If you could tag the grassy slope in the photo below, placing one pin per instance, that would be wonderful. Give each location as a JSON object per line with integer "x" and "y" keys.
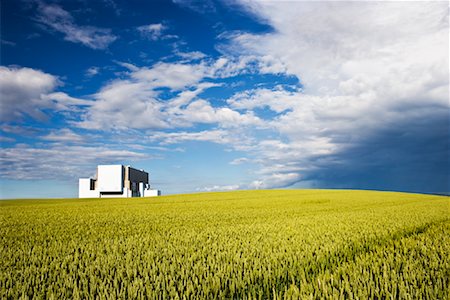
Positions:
{"x": 286, "y": 243}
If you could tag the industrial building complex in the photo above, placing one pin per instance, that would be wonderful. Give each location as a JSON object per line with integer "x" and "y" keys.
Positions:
{"x": 116, "y": 181}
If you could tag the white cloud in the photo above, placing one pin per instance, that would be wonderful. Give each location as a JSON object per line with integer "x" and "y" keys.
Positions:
{"x": 113, "y": 109}
{"x": 92, "y": 71}
{"x": 59, "y": 161}
{"x": 365, "y": 67}
{"x": 63, "y": 135}
{"x": 26, "y": 91}
{"x": 218, "y": 136}
{"x": 20, "y": 130}
{"x": 186, "y": 96}
{"x": 231, "y": 65}
{"x": 239, "y": 161}
{"x": 61, "y": 101}
{"x": 155, "y": 32}
{"x": 217, "y": 188}
{"x": 316, "y": 43}
{"x": 278, "y": 99}
{"x": 276, "y": 180}
{"x": 190, "y": 56}
{"x": 201, "y": 111}
{"x": 5, "y": 139}
{"x": 21, "y": 91}
{"x": 134, "y": 102}
{"x": 175, "y": 76}
{"x": 58, "y": 19}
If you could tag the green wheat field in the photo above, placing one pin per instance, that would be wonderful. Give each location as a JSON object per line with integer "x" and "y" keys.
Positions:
{"x": 278, "y": 244}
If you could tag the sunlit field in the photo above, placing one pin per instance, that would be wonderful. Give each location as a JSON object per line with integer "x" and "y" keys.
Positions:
{"x": 250, "y": 244}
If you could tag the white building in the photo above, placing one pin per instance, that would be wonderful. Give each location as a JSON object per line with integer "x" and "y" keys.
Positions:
{"x": 116, "y": 181}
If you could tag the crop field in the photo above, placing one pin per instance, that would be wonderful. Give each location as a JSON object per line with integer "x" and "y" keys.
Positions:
{"x": 306, "y": 244}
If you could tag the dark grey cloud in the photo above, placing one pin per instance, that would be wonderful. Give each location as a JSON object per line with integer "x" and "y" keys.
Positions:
{"x": 411, "y": 155}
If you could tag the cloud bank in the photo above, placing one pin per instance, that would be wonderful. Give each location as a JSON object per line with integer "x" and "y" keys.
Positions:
{"x": 374, "y": 101}
{"x": 368, "y": 107}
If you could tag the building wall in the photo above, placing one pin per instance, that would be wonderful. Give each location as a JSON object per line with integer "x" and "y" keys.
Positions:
{"x": 125, "y": 194}
{"x": 135, "y": 180}
{"x": 152, "y": 193}
{"x": 110, "y": 178}
{"x": 84, "y": 188}
{"x": 126, "y": 177}
{"x": 135, "y": 175}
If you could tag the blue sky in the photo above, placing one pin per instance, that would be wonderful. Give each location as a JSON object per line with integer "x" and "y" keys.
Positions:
{"x": 225, "y": 95}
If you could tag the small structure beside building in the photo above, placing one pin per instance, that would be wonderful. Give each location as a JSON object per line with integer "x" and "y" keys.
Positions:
{"x": 116, "y": 181}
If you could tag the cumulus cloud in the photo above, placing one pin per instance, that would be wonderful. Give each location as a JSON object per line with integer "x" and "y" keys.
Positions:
{"x": 27, "y": 92}
{"x": 244, "y": 63}
{"x": 368, "y": 45}
{"x": 175, "y": 76}
{"x": 365, "y": 69}
{"x": 113, "y": 109}
{"x": 55, "y": 17}
{"x": 201, "y": 111}
{"x": 21, "y": 91}
{"x": 277, "y": 99}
